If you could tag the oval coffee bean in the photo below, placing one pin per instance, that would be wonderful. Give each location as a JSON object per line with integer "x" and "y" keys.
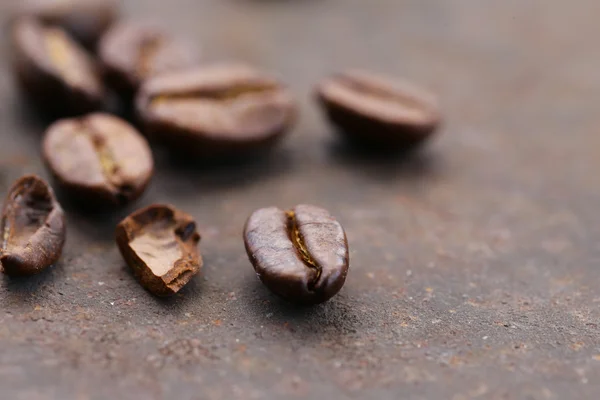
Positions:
{"x": 85, "y": 20}
{"x": 134, "y": 51}
{"x": 159, "y": 243}
{"x": 301, "y": 254}
{"x": 33, "y": 227}
{"x": 54, "y": 70}
{"x": 98, "y": 159}
{"x": 378, "y": 111}
{"x": 216, "y": 110}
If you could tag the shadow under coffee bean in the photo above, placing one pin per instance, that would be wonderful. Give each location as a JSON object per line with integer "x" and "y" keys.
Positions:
{"x": 378, "y": 112}
{"x": 215, "y": 111}
{"x": 54, "y": 71}
{"x": 300, "y": 254}
{"x": 160, "y": 244}
{"x": 98, "y": 160}
{"x": 33, "y": 227}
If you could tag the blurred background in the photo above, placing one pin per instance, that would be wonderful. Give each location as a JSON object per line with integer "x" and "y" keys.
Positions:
{"x": 473, "y": 260}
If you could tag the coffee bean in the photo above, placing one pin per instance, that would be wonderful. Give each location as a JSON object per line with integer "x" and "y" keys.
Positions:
{"x": 98, "y": 159}
{"x": 134, "y": 51}
{"x": 215, "y": 111}
{"x": 54, "y": 70}
{"x": 159, "y": 243}
{"x": 301, "y": 254}
{"x": 378, "y": 111}
{"x": 33, "y": 227}
{"x": 85, "y": 20}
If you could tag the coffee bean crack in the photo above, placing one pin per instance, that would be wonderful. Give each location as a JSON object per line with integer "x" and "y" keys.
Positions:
{"x": 300, "y": 247}
{"x": 108, "y": 164}
{"x": 379, "y": 93}
{"x": 221, "y": 94}
{"x": 60, "y": 52}
{"x": 147, "y": 51}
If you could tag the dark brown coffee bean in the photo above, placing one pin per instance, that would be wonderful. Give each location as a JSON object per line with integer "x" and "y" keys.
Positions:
{"x": 54, "y": 70}
{"x": 85, "y": 20}
{"x": 160, "y": 244}
{"x": 134, "y": 51}
{"x": 378, "y": 111}
{"x": 216, "y": 110}
{"x": 33, "y": 227}
{"x": 301, "y": 254}
{"x": 98, "y": 159}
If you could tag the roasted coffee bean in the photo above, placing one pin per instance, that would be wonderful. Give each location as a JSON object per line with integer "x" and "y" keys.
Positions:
{"x": 160, "y": 244}
{"x": 85, "y": 20}
{"x": 98, "y": 159}
{"x": 33, "y": 227}
{"x": 301, "y": 254}
{"x": 215, "y": 111}
{"x": 54, "y": 70}
{"x": 378, "y": 111}
{"x": 134, "y": 51}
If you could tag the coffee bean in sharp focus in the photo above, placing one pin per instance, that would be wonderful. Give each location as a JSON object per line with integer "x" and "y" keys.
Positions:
{"x": 301, "y": 254}
{"x": 85, "y": 20}
{"x": 378, "y": 111}
{"x": 33, "y": 227}
{"x": 133, "y": 51}
{"x": 219, "y": 110}
{"x": 54, "y": 71}
{"x": 99, "y": 160}
{"x": 159, "y": 243}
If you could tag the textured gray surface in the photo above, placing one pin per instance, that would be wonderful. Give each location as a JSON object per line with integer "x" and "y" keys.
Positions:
{"x": 474, "y": 264}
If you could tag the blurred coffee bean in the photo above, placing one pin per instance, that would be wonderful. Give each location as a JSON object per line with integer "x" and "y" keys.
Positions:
{"x": 54, "y": 71}
{"x": 214, "y": 111}
{"x": 134, "y": 51}
{"x": 85, "y": 20}
{"x": 377, "y": 111}
{"x": 99, "y": 160}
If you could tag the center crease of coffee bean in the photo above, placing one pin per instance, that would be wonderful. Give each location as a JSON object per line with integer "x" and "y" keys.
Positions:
{"x": 147, "y": 51}
{"x": 107, "y": 161}
{"x": 6, "y": 232}
{"x": 228, "y": 94}
{"x": 382, "y": 94}
{"x": 300, "y": 247}
{"x": 61, "y": 55}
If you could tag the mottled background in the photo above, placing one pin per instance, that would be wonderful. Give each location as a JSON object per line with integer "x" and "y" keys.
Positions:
{"x": 474, "y": 264}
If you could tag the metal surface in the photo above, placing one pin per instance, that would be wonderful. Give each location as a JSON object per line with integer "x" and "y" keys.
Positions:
{"x": 474, "y": 264}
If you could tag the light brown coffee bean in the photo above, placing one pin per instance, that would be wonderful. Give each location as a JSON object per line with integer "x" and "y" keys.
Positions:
{"x": 215, "y": 111}
{"x": 98, "y": 159}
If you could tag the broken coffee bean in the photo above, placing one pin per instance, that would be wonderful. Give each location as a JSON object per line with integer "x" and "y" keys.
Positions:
{"x": 33, "y": 227}
{"x": 377, "y": 111}
{"x": 159, "y": 243}
{"x": 213, "y": 111}
{"x": 54, "y": 71}
{"x": 300, "y": 254}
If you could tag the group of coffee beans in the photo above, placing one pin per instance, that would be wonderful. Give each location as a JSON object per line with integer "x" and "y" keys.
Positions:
{"x": 70, "y": 55}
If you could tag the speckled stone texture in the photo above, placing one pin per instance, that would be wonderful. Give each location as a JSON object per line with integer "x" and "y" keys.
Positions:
{"x": 474, "y": 264}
